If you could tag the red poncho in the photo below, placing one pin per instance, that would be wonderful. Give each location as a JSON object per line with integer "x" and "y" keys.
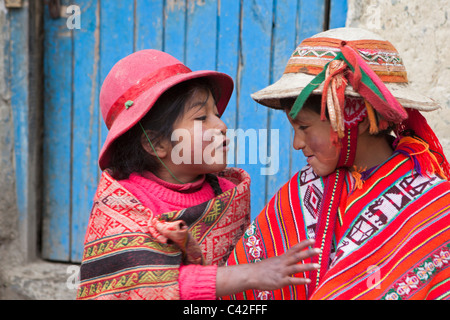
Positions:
{"x": 388, "y": 239}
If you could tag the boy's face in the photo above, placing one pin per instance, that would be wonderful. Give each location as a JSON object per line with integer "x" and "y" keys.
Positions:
{"x": 312, "y": 136}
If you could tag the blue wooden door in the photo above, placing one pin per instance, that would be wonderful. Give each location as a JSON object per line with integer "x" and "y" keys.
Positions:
{"x": 249, "y": 40}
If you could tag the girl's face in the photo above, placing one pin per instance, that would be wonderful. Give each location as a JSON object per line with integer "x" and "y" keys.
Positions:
{"x": 312, "y": 136}
{"x": 199, "y": 138}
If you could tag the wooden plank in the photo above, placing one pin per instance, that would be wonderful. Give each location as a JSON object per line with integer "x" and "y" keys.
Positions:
{"x": 85, "y": 135}
{"x": 228, "y": 60}
{"x": 57, "y": 138}
{"x": 255, "y": 53}
{"x": 201, "y": 35}
{"x": 19, "y": 87}
{"x": 149, "y": 24}
{"x": 310, "y": 20}
{"x": 175, "y": 28}
{"x": 20, "y": 134}
{"x": 283, "y": 45}
{"x": 338, "y": 13}
{"x": 117, "y": 39}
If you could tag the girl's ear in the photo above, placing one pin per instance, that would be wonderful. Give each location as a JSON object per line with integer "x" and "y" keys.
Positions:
{"x": 162, "y": 147}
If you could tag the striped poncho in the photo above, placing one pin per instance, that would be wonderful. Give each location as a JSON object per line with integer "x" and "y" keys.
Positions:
{"x": 390, "y": 238}
{"x": 124, "y": 259}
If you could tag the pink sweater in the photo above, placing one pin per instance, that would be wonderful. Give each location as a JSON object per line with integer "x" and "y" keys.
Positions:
{"x": 196, "y": 282}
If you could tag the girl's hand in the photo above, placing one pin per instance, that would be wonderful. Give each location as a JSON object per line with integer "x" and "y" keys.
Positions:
{"x": 270, "y": 274}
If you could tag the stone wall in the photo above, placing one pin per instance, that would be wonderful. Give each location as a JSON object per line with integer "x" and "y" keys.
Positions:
{"x": 9, "y": 245}
{"x": 419, "y": 30}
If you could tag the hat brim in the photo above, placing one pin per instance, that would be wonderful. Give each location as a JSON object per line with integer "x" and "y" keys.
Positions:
{"x": 290, "y": 85}
{"x": 142, "y": 105}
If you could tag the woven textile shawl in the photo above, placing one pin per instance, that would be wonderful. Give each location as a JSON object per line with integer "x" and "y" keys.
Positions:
{"x": 390, "y": 239}
{"x": 122, "y": 260}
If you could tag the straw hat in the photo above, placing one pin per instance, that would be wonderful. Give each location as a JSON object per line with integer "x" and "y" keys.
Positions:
{"x": 310, "y": 57}
{"x": 136, "y": 82}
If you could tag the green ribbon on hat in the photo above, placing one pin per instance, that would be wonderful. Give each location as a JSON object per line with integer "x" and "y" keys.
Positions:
{"x": 320, "y": 78}
{"x": 364, "y": 81}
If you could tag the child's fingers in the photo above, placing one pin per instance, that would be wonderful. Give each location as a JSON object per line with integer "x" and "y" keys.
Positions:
{"x": 297, "y": 252}
{"x": 304, "y": 244}
{"x": 299, "y": 281}
{"x": 308, "y": 254}
{"x": 299, "y": 247}
{"x": 299, "y": 268}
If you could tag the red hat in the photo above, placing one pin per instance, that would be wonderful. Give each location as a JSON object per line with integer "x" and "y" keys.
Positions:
{"x": 136, "y": 82}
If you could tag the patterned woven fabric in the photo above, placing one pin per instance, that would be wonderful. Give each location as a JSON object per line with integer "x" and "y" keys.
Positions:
{"x": 122, "y": 260}
{"x": 390, "y": 239}
{"x": 314, "y": 53}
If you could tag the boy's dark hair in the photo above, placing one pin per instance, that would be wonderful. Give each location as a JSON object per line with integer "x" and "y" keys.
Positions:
{"x": 313, "y": 103}
{"x": 128, "y": 155}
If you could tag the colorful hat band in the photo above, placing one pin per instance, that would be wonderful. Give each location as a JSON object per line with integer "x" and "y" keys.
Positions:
{"x": 339, "y": 66}
{"x": 348, "y": 67}
{"x": 313, "y": 54}
{"x": 122, "y": 103}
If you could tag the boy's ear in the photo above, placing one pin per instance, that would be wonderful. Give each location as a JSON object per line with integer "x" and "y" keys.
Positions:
{"x": 160, "y": 146}
{"x": 364, "y": 125}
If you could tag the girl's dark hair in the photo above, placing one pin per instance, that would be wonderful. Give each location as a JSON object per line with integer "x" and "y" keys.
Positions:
{"x": 128, "y": 155}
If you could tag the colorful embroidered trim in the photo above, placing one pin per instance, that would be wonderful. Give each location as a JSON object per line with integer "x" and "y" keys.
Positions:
{"x": 415, "y": 279}
{"x": 313, "y": 54}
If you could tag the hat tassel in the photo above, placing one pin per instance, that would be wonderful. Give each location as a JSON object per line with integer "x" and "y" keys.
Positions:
{"x": 418, "y": 126}
{"x": 333, "y": 96}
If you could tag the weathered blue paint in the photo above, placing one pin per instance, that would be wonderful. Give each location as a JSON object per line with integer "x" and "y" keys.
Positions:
{"x": 310, "y": 20}
{"x": 57, "y": 157}
{"x": 117, "y": 37}
{"x": 249, "y": 40}
{"x": 18, "y": 86}
{"x": 175, "y": 29}
{"x": 228, "y": 53}
{"x": 256, "y": 36}
{"x": 283, "y": 44}
{"x": 200, "y": 40}
{"x": 149, "y": 24}
{"x": 85, "y": 114}
{"x": 338, "y": 13}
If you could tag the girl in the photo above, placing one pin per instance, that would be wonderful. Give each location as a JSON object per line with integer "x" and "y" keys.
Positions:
{"x": 167, "y": 212}
{"x": 375, "y": 194}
